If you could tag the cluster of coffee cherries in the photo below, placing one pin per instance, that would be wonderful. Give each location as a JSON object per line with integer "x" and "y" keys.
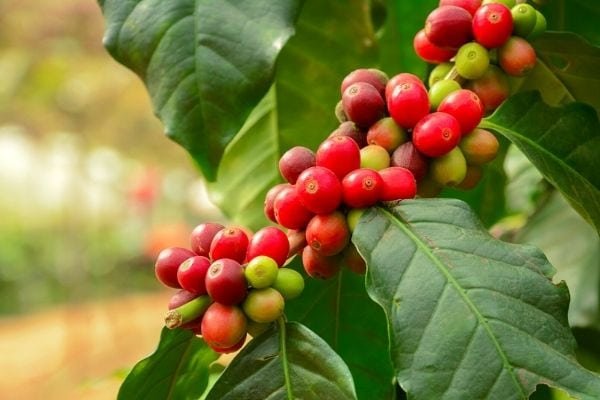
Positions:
{"x": 231, "y": 283}
{"x": 478, "y": 44}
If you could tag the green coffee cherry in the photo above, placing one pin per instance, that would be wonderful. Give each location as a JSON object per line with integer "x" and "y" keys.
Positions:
{"x": 353, "y": 217}
{"x": 539, "y": 27}
{"x": 449, "y": 169}
{"x": 524, "y": 18}
{"x": 374, "y": 157}
{"x": 472, "y": 60}
{"x": 256, "y": 328}
{"x": 264, "y": 305}
{"x": 440, "y": 90}
{"x": 439, "y": 72}
{"x": 261, "y": 272}
{"x": 289, "y": 283}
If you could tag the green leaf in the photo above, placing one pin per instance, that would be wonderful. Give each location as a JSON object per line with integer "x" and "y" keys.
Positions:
{"x": 562, "y": 143}
{"x": 178, "y": 369}
{"x": 470, "y": 316}
{"x": 206, "y": 64}
{"x": 579, "y": 16}
{"x": 290, "y": 362}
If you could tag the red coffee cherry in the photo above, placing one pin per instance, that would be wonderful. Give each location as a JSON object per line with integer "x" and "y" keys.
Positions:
{"x": 374, "y": 77}
{"x": 517, "y": 57}
{"x": 350, "y": 129}
{"x": 232, "y": 349}
{"x": 399, "y": 79}
{"x": 202, "y": 236}
{"x": 294, "y": 161}
{"x": 226, "y": 282}
{"x": 192, "y": 274}
{"x": 363, "y": 104}
{"x": 319, "y": 190}
{"x": 448, "y": 26}
{"x": 479, "y": 147}
{"x": 492, "y": 25}
{"x": 223, "y": 326}
{"x": 319, "y": 266}
{"x": 271, "y": 242}
{"x": 408, "y": 104}
{"x": 470, "y": 5}
{"x": 362, "y": 188}
{"x": 328, "y": 234}
{"x": 167, "y": 264}
{"x": 466, "y": 107}
{"x": 340, "y": 154}
{"x": 492, "y": 88}
{"x": 436, "y": 134}
{"x": 289, "y": 211}
{"x": 429, "y": 52}
{"x": 180, "y": 298}
{"x": 230, "y": 242}
{"x": 270, "y": 200}
{"x": 407, "y": 156}
{"x": 398, "y": 183}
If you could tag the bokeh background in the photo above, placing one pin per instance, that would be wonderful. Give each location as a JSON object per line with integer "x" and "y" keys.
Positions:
{"x": 90, "y": 191}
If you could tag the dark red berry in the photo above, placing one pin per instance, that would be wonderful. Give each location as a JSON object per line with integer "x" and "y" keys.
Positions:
{"x": 192, "y": 273}
{"x": 320, "y": 190}
{"x": 466, "y": 107}
{"x": 270, "y": 200}
{"x": 373, "y": 77}
{"x": 407, "y": 156}
{"x": 399, "y": 79}
{"x": 180, "y": 298}
{"x": 167, "y": 264}
{"x": 271, "y": 242}
{"x": 517, "y": 57}
{"x": 226, "y": 282}
{"x": 328, "y": 234}
{"x": 398, "y": 183}
{"x": 429, "y": 52}
{"x": 232, "y": 349}
{"x": 436, "y": 134}
{"x": 319, "y": 266}
{"x": 202, "y": 237}
{"x": 408, "y": 104}
{"x": 340, "y": 154}
{"x": 363, "y": 104}
{"x": 448, "y": 26}
{"x": 294, "y": 161}
{"x": 230, "y": 242}
{"x": 492, "y": 25}
{"x": 470, "y": 5}
{"x": 350, "y": 129}
{"x": 223, "y": 326}
{"x": 362, "y": 188}
{"x": 289, "y": 211}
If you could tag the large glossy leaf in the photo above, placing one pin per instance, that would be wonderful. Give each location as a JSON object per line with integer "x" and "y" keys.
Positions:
{"x": 579, "y": 16}
{"x": 177, "y": 370}
{"x": 206, "y": 63}
{"x": 290, "y": 362}
{"x": 470, "y": 317}
{"x": 562, "y": 143}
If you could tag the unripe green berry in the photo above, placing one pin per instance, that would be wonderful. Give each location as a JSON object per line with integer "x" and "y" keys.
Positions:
{"x": 439, "y": 72}
{"x": 256, "y": 328}
{"x": 540, "y": 26}
{"x": 261, "y": 272}
{"x": 289, "y": 283}
{"x": 524, "y": 17}
{"x": 264, "y": 305}
{"x": 374, "y": 157}
{"x": 353, "y": 217}
{"x": 449, "y": 169}
{"x": 440, "y": 90}
{"x": 472, "y": 60}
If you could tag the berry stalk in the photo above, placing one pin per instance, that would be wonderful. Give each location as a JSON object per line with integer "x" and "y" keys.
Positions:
{"x": 187, "y": 312}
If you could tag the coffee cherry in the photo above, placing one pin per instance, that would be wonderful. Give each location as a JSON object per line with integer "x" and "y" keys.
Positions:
{"x": 257, "y": 328}
{"x": 202, "y": 237}
{"x": 429, "y": 188}
{"x": 167, "y": 264}
{"x": 407, "y": 156}
{"x": 340, "y": 154}
{"x": 261, "y": 272}
{"x": 294, "y": 161}
{"x": 472, "y": 178}
{"x": 436, "y": 134}
{"x": 387, "y": 134}
{"x": 448, "y": 26}
{"x": 289, "y": 211}
{"x": 539, "y": 27}
{"x": 400, "y": 79}
{"x": 289, "y": 283}
{"x": 180, "y": 298}
{"x": 398, "y": 183}
{"x": 223, "y": 326}
{"x": 352, "y": 260}
{"x": 517, "y": 57}
{"x": 363, "y": 104}
{"x": 523, "y": 19}
{"x": 192, "y": 273}
{"x": 271, "y": 242}
{"x": 350, "y": 129}
{"x": 353, "y": 217}
{"x": 297, "y": 239}
{"x": 439, "y": 72}
{"x": 374, "y": 157}
{"x": 466, "y": 107}
{"x": 408, "y": 103}
{"x": 232, "y": 349}
{"x": 328, "y": 234}
{"x": 429, "y": 52}
{"x": 470, "y": 5}
{"x": 319, "y": 190}
{"x": 492, "y": 25}
{"x": 492, "y": 88}
{"x": 362, "y": 188}
{"x": 449, "y": 169}
{"x": 225, "y": 282}
{"x": 374, "y": 77}
{"x": 264, "y": 305}
{"x": 479, "y": 147}
{"x": 230, "y": 242}
{"x": 339, "y": 112}
{"x": 319, "y": 266}
{"x": 472, "y": 61}
{"x": 270, "y": 200}
{"x": 440, "y": 90}
{"x": 508, "y": 3}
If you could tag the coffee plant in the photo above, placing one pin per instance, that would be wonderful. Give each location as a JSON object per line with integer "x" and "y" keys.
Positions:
{"x": 366, "y": 155}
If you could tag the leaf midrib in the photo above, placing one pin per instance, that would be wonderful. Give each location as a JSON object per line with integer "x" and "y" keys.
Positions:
{"x": 441, "y": 267}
